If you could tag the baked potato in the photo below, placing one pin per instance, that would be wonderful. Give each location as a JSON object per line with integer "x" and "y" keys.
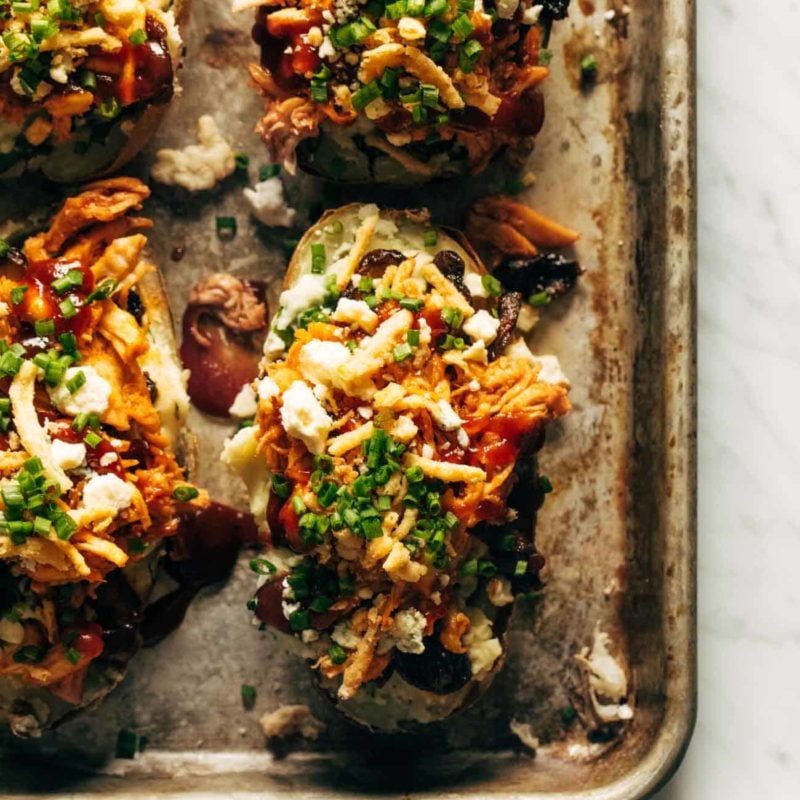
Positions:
{"x": 92, "y": 436}
{"x": 84, "y": 85}
{"x": 391, "y": 465}
{"x": 400, "y": 91}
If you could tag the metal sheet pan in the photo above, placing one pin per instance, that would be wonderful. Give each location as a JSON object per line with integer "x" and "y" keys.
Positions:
{"x": 619, "y": 534}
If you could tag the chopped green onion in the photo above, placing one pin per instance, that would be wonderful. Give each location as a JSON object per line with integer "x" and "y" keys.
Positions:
{"x": 435, "y": 8}
{"x": 589, "y": 67}
{"x": 138, "y": 37}
{"x": 299, "y": 620}
{"x": 102, "y": 291}
{"x": 520, "y": 568}
{"x": 92, "y": 439}
{"x": 268, "y": 171}
{"x": 334, "y": 228}
{"x": 18, "y": 294}
{"x": 327, "y": 494}
{"x": 184, "y": 493}
{"x": 281, "y": 486}
{"x": 76, "y": 381}
{"x": 402, "y": 351}
{"x": 67, "y": 308}
{"x": 540, "y": 299}
{"x": 87, "y": 79}
{"x": 365, "y": 95}
{"x": 389, "y": 81}
{"x": 136, "y": 546}
{"x": 72, "y": 655}
{"x": 462, "y": 27}
{"x": 466, "y": 5}
{"x": 28, "y": 654}
{"x": 72, "y": 280}
{"x": 12, "y": 495}
{"x": 226, "y": 227}
{"x": 439, "y": 31}
{"x": 396, "y": 10}
{"x": 109, "y": 108}
{"x": 492, "y": 285}
{"x": 337, "y": 654}
{"x": 469, "y": 568}
{"x": 431, "y": 237}
{"x": 126, "y": 744}
{"x": 319, "y": 91}
{"x": 452, "y": 317}
{"x": 545, "y": 57}
{"x": 298, "y": 505}
{"x": 44, "y": 327}
{"x": 545, "y": 487}
{"x": 80, "y": 422}
{"x": 321, "y": 604}
{"x": 262, "y": 567}
{"x": 414, "y": 474}
{"x": 430, "y": 94}
{"x": 248, "y": 696}
{"x": 412, "y": 304}
{"x": 412, "y": 337}
{"x": 468, "y": 55}
{"x": 365, "y": 284}
{"x": 242, "y": 160}
{"x": 318, "y": 261}
{"x": 64, "y": 526}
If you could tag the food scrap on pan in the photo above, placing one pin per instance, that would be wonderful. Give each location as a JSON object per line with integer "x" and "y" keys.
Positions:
{"x": 89, "y": 482}
{"x": 396, "y": 90}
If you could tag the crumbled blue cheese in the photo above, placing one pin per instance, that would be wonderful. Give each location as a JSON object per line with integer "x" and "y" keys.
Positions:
{"x": 244, "y": 404}
{"x": 319, "y": 362}
{"x": 240, "y": 454}
{"x": 68, "y": 455}
{"x": 474, "y": 283}
{"x": 550, "y": 371}
{"x": 308, "y": 291}
{"x": 445, "y": 416}
{"x": 108, "y": 492}
{"x": 268, "y": 204}
{"x": 355, "y": 312}
{"x": 483, "y": 648}
{"x": 304, "y": 418}
{"x": 267, "y": 388}
{"x": 482, "y": 325}
{"x": 91, "y": 398}
{"x": 199, "y": 166}
{"x": 507, "y": 8}
{"x": 408, "y": 631}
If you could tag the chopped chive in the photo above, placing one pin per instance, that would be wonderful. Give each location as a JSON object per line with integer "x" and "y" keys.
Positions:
{"x": 412, "y": 337}
{"x": 337, "y": 654}
{"x": 44, "y": 327}
{"x": 414, "y": 474}
{"x": 102, "y": 291}
{"x": 298, "y": 505}
{"x": 540, "y": 299}
{"x": 76, "y": 381}
{"x": 248, "y": 694}
{"x": 87, "y": 79}
{"x": 435, "y": 8}
{"x": 412, "y": 304}
{"x": 468, "y": 55}
{"x": 67, "y": 308}
{"x": 184, "y": 493}
{"x": 462, "y": 27}
{"x": 80, "y": 422}
{"x": 365, "y": 284}
{"x": 431, "y": 238}
{"x": 545, "y": 487}
{"x": 138, "y": 37}
{"x": 262, "y": 567}
{"x": 281, "y": 486}
{"x": 520, "y": 568}
{"x": 72, "y": 655}
{"x": 242, "y": 160}
{"x": 18, "y": 294}
{"x": 268, "y": 171}
{"x": 318, "y": 258}
{"x": 64, "y": 526}
{"x": 365, "y": 95}
{"x": 492, "y": 285}
{"x": 226, "y": 227}
{"x": 299, "y": 620}
{"x": 126, "y": 744}
{"x": 92, "y": 439}
{"x": 109, "y": 108}
{"x": 452, "y": 317}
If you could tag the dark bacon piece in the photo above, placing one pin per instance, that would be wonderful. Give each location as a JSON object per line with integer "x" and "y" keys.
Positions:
{"x": 548, "y": 272}
{"x": 451, "y": 265}
{"x": 508, "y": 308}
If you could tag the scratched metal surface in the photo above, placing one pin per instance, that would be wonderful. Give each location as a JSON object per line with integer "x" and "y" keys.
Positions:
{"x": 619, "y": 536}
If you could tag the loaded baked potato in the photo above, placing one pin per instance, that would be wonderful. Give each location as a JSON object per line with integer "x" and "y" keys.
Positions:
{"x": 391, "y": 463}
{"x": 400, "y": 91}
{"x": 83, "y": 85}
{"x": 92, "y": 416}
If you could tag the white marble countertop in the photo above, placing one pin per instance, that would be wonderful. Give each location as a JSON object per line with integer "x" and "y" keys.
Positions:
{"x": 746, "y": 740}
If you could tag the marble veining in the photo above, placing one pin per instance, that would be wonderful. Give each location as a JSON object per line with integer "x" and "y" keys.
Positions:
{"x": 746, "y": 743}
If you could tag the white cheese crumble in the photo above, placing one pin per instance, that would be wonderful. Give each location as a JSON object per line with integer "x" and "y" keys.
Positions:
{"x": 482, "y": 325}
{"x": 267, "y": 388}
{"x": 550, "y": 371}
{"x": 409, "y": 628}
{"x": 304, "y": 418}
{"x": 108, "y": 491}
{"x": 475, "y": 285}
{"x": 530, "y": 16}
{"x": 507, "y": 8}
{"x": 319, "y": 362}
{"x": 68, "y": 455}
{"x": 268, "y": 204}
{"x": 445, "y": 416}
{"x": 308, "y": 291}
{"x": 404, "y": 429}
{"x": 240, "y": 454}
{"x": 476, "y": 352}
{"x": 91, "y": 398}
{"x": 199, "y": 166}
{"x": 274, "y": 347}
{"x": 608, "y": 684}
{"x": 483, "y": 648}
{"x": 244, "y": 404}
{"x": 355, "y": 312}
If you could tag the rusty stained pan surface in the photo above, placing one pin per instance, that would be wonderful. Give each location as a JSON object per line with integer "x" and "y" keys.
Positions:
{"x": 619, "y": 533}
